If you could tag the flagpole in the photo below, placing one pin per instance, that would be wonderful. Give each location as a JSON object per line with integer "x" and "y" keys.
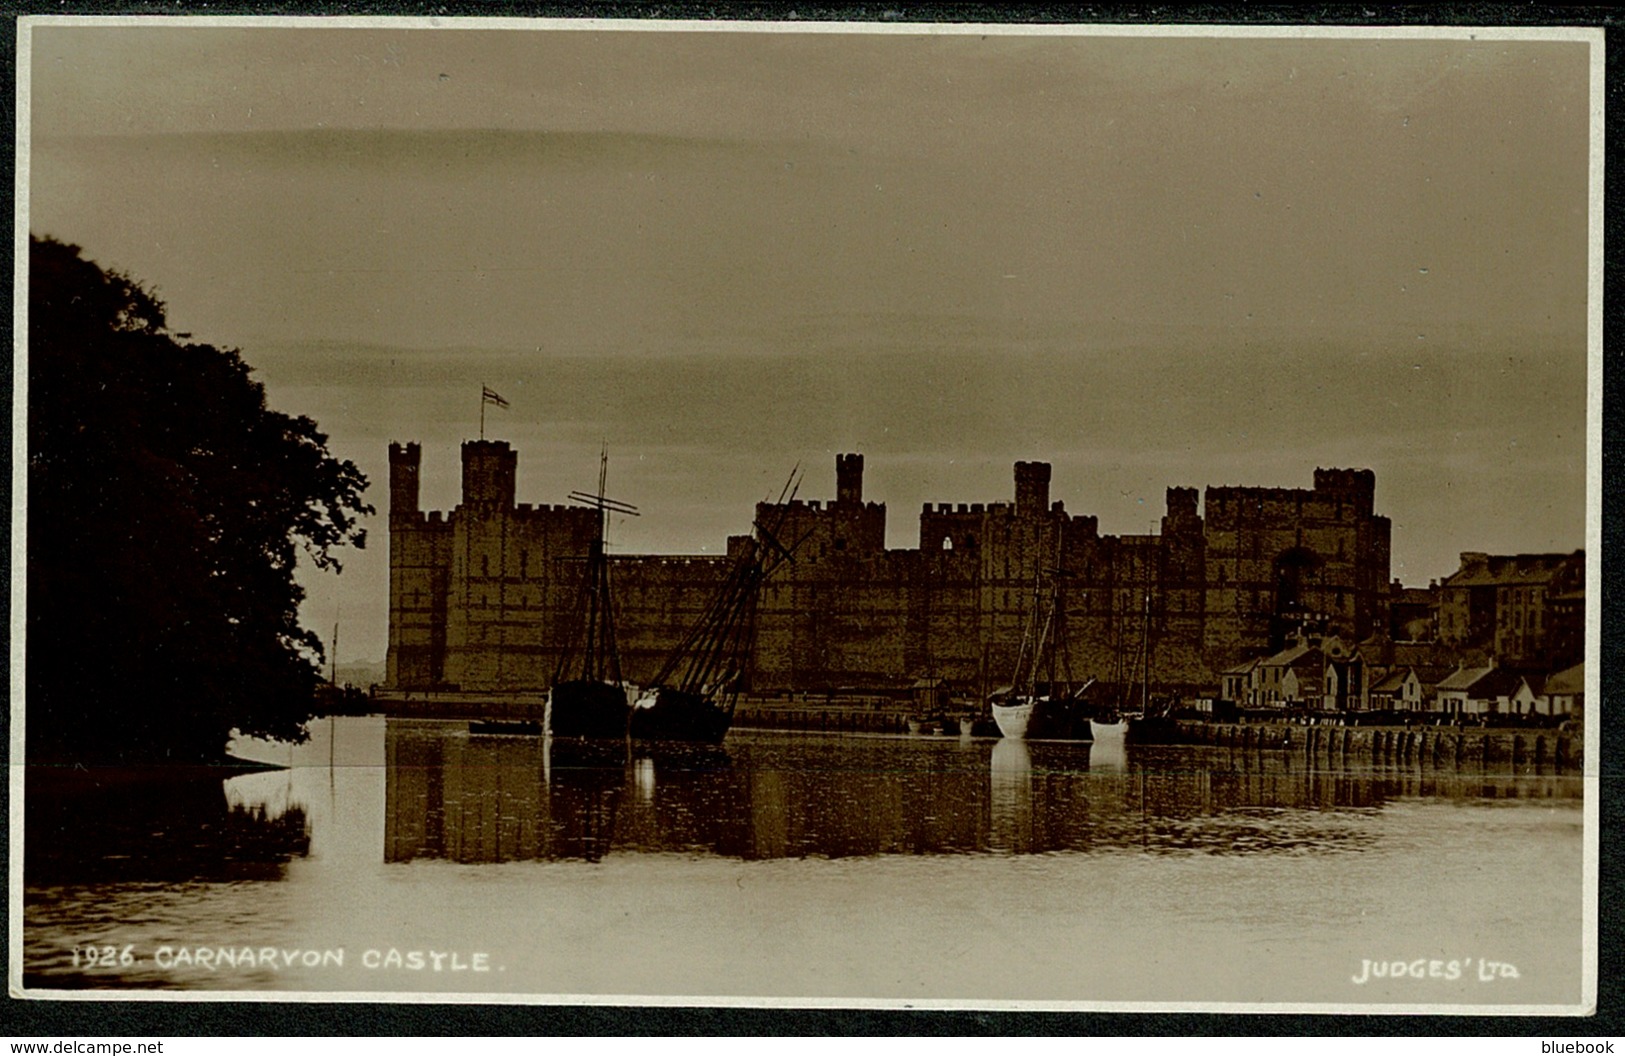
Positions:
{"x": 482, "y": 412}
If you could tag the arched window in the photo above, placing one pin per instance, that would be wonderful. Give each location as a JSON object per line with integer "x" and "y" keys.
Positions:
{"x": 947, "y": 542}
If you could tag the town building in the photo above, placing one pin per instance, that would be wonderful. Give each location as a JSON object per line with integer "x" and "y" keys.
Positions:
{"x": 1525, "y": 610}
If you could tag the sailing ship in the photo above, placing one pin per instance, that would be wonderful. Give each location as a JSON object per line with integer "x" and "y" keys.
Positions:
{"x": 692, "y": 697}
{"x": 1051, "y": 709}
{"x": 588, "y": 697}
{"x": 1111, "y": 722}
{"x": 1152, "y": 722}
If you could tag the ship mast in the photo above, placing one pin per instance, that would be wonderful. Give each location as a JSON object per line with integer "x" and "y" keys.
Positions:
{"x": 600, "y": 659}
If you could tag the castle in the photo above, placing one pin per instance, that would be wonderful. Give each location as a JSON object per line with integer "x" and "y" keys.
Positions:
{"x": 483, "y": 598}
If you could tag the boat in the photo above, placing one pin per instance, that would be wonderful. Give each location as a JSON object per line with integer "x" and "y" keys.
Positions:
{"x": 1157, "y": 726}
{"x": 1126, "y": 721}
{"x": 693, "y": 696}
{"x": 1013, "y": 715}
{"x": 1030, "y": 709}
{"x": 588, "y": 697}
{"x": 502, "y": 728}
{"x": 1109, "y": 728}
{"x": 1152, "y": 722}
{"x": 1043, "y": 716}
{"x": 933, "y": 710}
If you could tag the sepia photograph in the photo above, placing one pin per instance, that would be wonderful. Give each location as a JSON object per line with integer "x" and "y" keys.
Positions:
{"x": 807, "y": 515}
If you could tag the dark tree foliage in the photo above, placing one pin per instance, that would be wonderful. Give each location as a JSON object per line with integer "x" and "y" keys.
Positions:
{"x": 166, "y": 509}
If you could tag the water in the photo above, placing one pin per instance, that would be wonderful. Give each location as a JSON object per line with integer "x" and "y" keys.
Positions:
{"x": 807, "y": 866}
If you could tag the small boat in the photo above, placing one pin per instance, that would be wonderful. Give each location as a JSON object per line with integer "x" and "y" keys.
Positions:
{"x": 500, "y": 728}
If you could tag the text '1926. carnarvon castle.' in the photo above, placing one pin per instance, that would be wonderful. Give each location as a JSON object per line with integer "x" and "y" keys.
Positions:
{"x": 483, "y": 598}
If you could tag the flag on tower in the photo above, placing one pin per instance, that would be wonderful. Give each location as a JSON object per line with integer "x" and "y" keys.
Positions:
{"x": 489, "y": 395}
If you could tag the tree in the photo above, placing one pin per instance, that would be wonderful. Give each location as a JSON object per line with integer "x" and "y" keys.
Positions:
{"x": 167, "y": 506}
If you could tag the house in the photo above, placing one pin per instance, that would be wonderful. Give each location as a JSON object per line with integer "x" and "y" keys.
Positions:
{"x": 1238, "y": 683}
{"x": 1452, "y": 693}
{"x": 1564, "y": 692}
{"x": 1481, "y": 693}
{"x": 1274, "y": 689}
{"x": 1344, "y": 682}
{"x": 1398, "y": 690}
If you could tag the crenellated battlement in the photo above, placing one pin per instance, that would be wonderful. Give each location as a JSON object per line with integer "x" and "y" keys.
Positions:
{"x": 420, "y": 519}
{"x": 1353, "y": 481}
{"x": 849, "y": 479}
{"x": 546, "y": 510}
{"x": 675, "y": 562}
{"x": 1032, "y": 488}
{"x": 820, "y": 506}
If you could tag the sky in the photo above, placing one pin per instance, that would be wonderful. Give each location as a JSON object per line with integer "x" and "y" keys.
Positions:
{"x": 1151, "y": 261}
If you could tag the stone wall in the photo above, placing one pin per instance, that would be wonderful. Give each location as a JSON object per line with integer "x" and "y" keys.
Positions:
{"x": 487, "y": 597}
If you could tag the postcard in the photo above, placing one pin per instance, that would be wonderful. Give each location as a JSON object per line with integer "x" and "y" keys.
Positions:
{"x": 799, "y": 514}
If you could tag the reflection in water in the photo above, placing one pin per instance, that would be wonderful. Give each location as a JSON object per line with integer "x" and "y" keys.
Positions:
{"x": 1011, "y": 794}
{"x": 892, "y": 857}
{"x": 155, "y": 824}
{"x": 1109, "y": 753}
{"x": 492, "y": 799}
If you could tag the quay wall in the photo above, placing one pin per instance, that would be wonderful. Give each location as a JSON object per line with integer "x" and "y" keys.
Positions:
{"x": 836, "y": 716}
{"x": 1540, "y": 750}
{"x": 832, "y": 718}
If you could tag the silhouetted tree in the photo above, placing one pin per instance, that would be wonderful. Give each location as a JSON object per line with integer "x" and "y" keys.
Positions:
{"x": 166, "y": 509}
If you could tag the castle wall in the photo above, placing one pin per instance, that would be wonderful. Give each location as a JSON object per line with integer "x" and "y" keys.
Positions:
{"x": 1277, "y": 555}
{"x": 516, "y": 577}
{"x": 488, "y": 597}
{"x": 658, "y": 600}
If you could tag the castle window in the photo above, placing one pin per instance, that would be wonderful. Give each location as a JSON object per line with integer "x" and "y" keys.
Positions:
{"x": 840, "y": 544}
{"x": 947, "y": 542}
{"x": 485, "y": 566}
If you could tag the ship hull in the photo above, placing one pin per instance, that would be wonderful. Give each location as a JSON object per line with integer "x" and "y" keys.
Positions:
{"x": 677, "y": 715}
{"x": 1013, "y": 719}
{"x": 1042, "y": 719}
{"x": 1108, "y": 731}
{"x": 1152, "y": 729}
{"x": 587, "y": 708}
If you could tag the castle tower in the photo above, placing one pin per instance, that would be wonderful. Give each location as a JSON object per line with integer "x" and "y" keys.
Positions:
{"x": 418, "y": 558}
{"x": 488, "y": 473}
{"x": 849, "y": 478}
{"x": 1181, "y": 515}
{"x": 404, "y": 463}
{"x": 1032, "y": 488}
{"x": 1354, "y": 486}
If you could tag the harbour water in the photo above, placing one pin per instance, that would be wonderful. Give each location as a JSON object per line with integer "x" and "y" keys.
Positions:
{"x": 414, "y": 857}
